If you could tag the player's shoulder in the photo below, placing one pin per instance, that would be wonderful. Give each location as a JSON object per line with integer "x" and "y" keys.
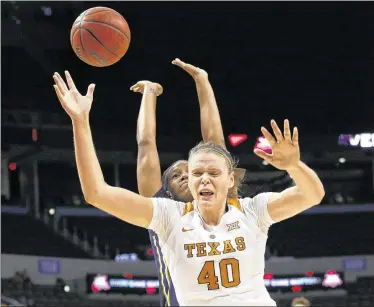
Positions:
{"x": 256, "y": 198}
{"x": 168, "y": 204}
{"x": 185, "y": 207}
{"x": 256, "y": 201}
{"x": 161, "y": 193}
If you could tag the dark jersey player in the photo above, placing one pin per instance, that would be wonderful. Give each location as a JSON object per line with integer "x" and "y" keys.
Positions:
{"x": 173, "y": 182}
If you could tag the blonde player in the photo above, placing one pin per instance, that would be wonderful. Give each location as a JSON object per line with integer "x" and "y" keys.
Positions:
{"x": 173, "y": 182}
{"x": 214, "y": 247}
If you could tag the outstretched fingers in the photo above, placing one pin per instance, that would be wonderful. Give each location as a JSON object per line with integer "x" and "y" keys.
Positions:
{"x": 192, "y": 70}
{"x": 138, "y": 86}
{"x": 60, "y": 83}
{"x": 70, "y": 81}
{"x": 287, "y": 131}
{"x": 178, "y": 62}
{"x": 262, "y": 154}
{"x": 268, "y": 136}
{"x": 60, "y": 96}
{"x": 90, "y": 91}
{"x": 135, "y": 86}
{"x": 295, "y": 137}
{"x": 277, "y": 131}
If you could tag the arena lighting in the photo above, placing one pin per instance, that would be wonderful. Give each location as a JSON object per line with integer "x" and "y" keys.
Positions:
{"x": 296, "y": 289}
{"x": 150, "y": 290}
{"x": 46, "y": 10}
{"x": 237, "y": 139}
{"x": 34, "y": 134}
{"x": 342, "y": 160}
{"x": 263, "y": 144}
{"x": 268, "y": 276}
{"x": 67, "y": 288}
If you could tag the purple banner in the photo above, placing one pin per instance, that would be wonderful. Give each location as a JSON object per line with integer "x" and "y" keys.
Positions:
{"x": 49, "y": 266}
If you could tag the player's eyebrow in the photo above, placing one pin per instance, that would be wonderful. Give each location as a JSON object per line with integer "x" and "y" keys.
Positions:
{"x": 174, "y": 171}
{"x": 207, "y": 168}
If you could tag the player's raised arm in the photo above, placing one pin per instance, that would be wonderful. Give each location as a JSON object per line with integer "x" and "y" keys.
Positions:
{"x": 210, "y": 121}
{"x": 308, "y": 190}
{"x": 122, "y": 203}
{"x": 148, "y": 164}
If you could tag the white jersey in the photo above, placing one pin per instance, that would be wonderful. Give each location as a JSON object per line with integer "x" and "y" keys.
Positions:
{"x": 219, "y": 265}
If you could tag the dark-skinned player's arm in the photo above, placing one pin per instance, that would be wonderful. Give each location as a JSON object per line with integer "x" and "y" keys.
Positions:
{"x": 148, "y": 168}
{"x": 210, "y": 121}
{"x": 124, "y": 204}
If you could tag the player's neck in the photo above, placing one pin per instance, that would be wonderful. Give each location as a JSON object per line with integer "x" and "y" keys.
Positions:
{"x": 212, "y": 216}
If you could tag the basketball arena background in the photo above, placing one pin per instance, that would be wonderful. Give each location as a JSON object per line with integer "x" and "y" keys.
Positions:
{"x": 312, "y": 63}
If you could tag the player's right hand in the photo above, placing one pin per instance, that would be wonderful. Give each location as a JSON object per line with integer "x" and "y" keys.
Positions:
{"x": 76, "y": 105}
{"x": 147, "y": 86}
{"x": 195, "y": 72}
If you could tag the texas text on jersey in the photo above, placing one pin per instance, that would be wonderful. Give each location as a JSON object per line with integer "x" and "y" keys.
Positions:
{"x": 215, "y": 265}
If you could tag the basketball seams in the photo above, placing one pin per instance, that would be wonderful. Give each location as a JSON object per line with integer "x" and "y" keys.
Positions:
{"x": 109, "y": 25}
{"x": 72, "y": 34}
{"x": 80, "y": 34}
{"x": 84, "y": 50}
{"x": 78, "y": 42}
{"x": 79, "y": 19}
{"x": 94, "y": 36}
{"x": 84, "y": 14}
{"x": 72, "y": 38}
{"x": 104, "y": 10}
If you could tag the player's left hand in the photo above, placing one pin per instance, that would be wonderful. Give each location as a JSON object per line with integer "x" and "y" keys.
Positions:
{"x": 144, "y": 86}
{"x": 195, "y": 72}
{"x": 285, "y": 148}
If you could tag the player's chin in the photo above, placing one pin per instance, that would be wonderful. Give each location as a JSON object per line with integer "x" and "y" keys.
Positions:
{"x": 206, "y": 200}
{"x": 185, "y": 190}
{"x": 185, "y": 195}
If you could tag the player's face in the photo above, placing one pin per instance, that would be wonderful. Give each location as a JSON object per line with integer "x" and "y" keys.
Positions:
{"x": 209, "y": 178}
{"x": 178, "y": 182}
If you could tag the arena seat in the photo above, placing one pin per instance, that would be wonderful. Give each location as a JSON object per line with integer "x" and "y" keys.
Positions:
{"x": 110, "y": 231}
{"x": 323, "y": 235}
{"x": 22, "y": 234}
{"x": 300, "y": 236}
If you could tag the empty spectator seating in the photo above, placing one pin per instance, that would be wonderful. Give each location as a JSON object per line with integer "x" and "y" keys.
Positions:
{"x": 111, "y": 231}
{"x": 324, "y": 235}
{"x": 22, "y": 234}
{"x": 301, "y": 236}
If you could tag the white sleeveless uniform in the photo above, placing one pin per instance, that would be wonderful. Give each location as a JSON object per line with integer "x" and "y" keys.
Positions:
{"x": 219, "y": 265}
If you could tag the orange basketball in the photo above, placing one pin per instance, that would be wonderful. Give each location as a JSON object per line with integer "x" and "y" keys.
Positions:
{"x": 100, "y": 36}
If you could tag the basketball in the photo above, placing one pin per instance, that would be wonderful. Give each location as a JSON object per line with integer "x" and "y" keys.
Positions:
{"x": 100, "y": 36}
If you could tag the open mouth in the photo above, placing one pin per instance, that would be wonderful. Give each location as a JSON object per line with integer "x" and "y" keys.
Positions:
{"x": 206, "y": 193}
{"x": 184, "y": 184}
